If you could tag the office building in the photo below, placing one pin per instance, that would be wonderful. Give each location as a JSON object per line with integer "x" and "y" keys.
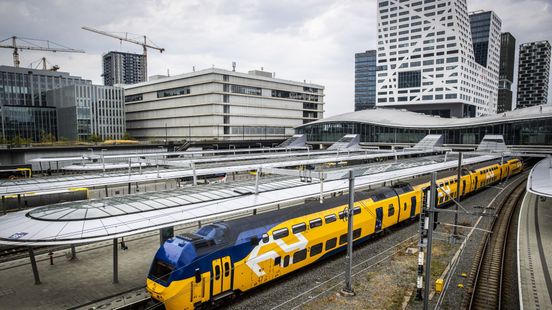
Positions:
{"x": 486, "y": 38}
{"x": 216, "y": 104}
{"x": 506, "y": 72}
{"x": 89, "y": 110}
{"x": 533, "y": 74}
{"x": 365, "y": 80}
{"x": 124, "y": 68}
{"x": 426, "y": 61}
{"x": 24, "y": 110}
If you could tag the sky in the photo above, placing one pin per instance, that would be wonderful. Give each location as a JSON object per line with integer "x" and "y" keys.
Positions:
{"x": 312, "y": 40}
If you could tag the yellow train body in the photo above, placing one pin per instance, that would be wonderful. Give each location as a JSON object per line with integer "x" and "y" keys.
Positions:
{"x": 302, "y": 240}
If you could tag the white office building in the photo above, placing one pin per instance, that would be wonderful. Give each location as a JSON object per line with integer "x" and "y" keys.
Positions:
{"x": 426, "y": 60}
{"x": 216, "y": 104}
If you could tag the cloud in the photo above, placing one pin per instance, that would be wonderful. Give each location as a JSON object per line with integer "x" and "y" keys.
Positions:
{"x": 313, "y": 40}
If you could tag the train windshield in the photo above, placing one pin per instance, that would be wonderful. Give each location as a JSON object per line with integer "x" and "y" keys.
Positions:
{"x": 213, "y": 232}
{"x": 160, "y": 271}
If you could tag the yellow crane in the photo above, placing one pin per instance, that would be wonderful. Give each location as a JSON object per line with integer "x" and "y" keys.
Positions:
{"x": 145, "y": 45}
{"x": 31, "y": 45}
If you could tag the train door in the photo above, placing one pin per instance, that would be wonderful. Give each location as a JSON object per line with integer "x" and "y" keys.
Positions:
{"x": 379, "y": 219}
{"x": 412, "y": 206}
{"x": 221, "y": 278}
{"x": 476, "y": 185}
{"x": 463, "y": 187}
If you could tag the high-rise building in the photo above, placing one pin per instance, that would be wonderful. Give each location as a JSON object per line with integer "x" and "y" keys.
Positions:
{"x": 24, "y": 109}
{"x": 506, "y": 72}
{"x": 485, "y": 33}
{"x": 86, "y": 110}
{"x": 365, "y": 80}
{"x": 426, "y": 61}
{"x": 533, "y": 74}
{"x": 124, "y": 68}
{"x": 216, "y": 104}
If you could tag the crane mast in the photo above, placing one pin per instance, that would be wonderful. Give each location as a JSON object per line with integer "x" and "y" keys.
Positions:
{"x": 126, "y": 38}
{"x": 34, "y": 47}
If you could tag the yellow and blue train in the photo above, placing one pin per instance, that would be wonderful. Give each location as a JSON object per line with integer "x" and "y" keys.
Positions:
{"x": 224, "y": 259}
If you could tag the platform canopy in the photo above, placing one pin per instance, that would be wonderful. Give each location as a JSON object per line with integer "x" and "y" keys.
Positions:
{"x": 109, "y": 218}
{"x": 540, "y": 178}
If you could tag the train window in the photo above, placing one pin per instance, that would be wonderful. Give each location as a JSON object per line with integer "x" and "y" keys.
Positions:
{"x": 226, "y": 269}
{"x": 217, "y": 272}
{"x": 357, "y": 233}
{"x": 357, "y": 210}
{"x": 277, "y": 261}
{"x": 286, "y": 261}
{"x": 330, "y": 244}
{"x": 316, "y": 249}
{"x": 330, "y": 218}
{"x": 341, "y": 215}
{"x": 391, "y": 210}
{"x": 315, "y": 223}
{"x": 160, "y": 270}
{"x": 405, "y": 206}
{"x": 280, "y": 233}
{"x": 298, "y": 228}
{"x": 299, "y": 256}
{"x": 343, "y": 239}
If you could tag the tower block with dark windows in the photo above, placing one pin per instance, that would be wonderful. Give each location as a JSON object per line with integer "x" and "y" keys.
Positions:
{"x": 123, "y": 68}
{"x": 506, "y": 73}
{"x": 365, "y": 80}
{"x": 533, "y": 74}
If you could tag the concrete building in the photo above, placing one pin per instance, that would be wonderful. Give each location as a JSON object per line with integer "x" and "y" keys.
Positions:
{"x": 426, "y": 61}
{"x": 506, "y": 72}
{"x": 86, "y": 110}
{"x": 216, "y": 104}
{"x": 533, "y": 74}
{"x": 24, "y": 109}
{"x": 124, "y": 68}
{"x": 365, "y": 80}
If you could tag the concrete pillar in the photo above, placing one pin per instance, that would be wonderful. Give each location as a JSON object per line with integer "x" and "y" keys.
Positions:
{"x": 115, "y": 262}
{"x": 34, "y": 266}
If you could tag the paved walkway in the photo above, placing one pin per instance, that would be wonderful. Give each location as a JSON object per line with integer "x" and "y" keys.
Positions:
{"x": 535, "y": 252}
{"x": 68, "y": 284}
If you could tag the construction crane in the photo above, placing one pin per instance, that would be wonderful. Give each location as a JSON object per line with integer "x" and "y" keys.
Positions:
{"x": 126, "y": 38}
{"x": 42, "y": 62}
{"x": 50, "y": 47}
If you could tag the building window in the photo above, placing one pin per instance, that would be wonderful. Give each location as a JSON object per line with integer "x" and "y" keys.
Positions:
{"x": 226, "y": 119}
{"x": 226, "y": 98}
{"x": 247, "y": 90}
{"x": 226, "y": 108}
{"x": 133, "y": 98}
{"x": 409, "y": 79}
{"x": 173, "y": 92}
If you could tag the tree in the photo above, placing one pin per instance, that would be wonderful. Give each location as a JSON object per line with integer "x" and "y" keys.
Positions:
{"x": 127, "y": 136}
{"x": 47, "y": 137}
{"x": 95, "y": 138}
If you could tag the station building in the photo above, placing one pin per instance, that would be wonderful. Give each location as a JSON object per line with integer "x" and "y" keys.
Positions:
{"x": 220, "y": 105}
{"x": 529, "y": 126}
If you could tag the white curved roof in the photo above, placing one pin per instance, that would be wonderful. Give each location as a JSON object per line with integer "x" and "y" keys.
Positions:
{"x": 407, "y": 119}
{"x": 539, "y": 181}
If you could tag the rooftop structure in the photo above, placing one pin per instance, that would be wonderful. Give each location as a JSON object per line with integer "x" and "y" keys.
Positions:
{"x": 426, "y": 61}
{"x": 216, "y": 104}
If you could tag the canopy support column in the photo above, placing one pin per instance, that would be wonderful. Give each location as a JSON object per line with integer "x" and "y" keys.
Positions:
{"x": 115, "y": 262}
{"x": 34, "y": 266}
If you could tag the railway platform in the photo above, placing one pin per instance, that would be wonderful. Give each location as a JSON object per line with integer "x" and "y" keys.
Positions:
{"x": 535, "y": 241}
{"x": 69, "y": 284}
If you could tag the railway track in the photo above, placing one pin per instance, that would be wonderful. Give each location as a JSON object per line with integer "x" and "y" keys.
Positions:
{"x": 487, "y": 289}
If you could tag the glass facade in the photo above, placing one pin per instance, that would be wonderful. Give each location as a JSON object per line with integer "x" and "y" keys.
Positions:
{"x": 26, "y": 112}
{"x": 480, "y": 24}
{"x": 521, "y": 132}
{"x": 29, "y": 123}
{"x": 365, "y": 80}
{"x": 409, "y": 79}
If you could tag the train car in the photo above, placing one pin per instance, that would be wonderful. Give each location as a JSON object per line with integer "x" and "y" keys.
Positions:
{"x": 225, "y": 259}
{"x": 16, "y": 171}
